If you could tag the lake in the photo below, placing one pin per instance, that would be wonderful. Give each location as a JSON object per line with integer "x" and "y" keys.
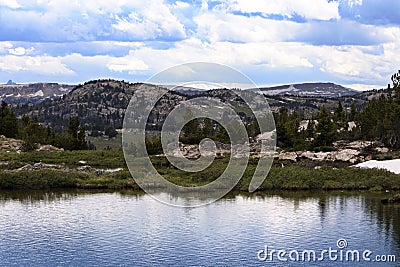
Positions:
{"x": 83, "y": 228}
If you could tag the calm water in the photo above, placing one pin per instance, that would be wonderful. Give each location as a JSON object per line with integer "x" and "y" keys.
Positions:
{"x": 102, "y": 229}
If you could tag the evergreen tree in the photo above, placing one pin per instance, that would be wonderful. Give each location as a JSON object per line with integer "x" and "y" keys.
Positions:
{"x": 288, "y": 133}
{"x": 208, "y": 128}
{"x": 8, "y": 121}
{"x": 110, "y": 132}
{"x": 74, "y": 139}
{"x": 222, "y": 135}
{"x": 380, "y": 119}
{"x": 353, "y": 112}
{"x": 310, "y": 131}
{"x": 326, "y": 130}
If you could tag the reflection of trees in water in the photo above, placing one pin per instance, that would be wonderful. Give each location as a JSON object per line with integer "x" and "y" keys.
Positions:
{"x": 387, "y": 218}
{"x": 38, "y": 196}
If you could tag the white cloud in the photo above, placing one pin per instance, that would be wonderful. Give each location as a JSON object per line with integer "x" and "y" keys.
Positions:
{"x": 5, "y": 46}
{"x": 310, "y": 9}
{"x": 124, "y": 37}
{"x": 220, "y": 26}
{"x": 18, "y": 51}
{"x": 128, "y": 63}
{"x": 237, "y": 54}
{"x": 91, "y": 20}
{"x": 353, "y": 3}
{"x": 152, "y": 21}
{"x": 10, "y": 3}
{"x": 364, "y": 87}
{"x": 40, "y": 64}
{"x": 181, "y": 5}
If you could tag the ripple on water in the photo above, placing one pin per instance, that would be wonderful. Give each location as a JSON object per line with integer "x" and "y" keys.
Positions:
{"x": 113, "y": 229}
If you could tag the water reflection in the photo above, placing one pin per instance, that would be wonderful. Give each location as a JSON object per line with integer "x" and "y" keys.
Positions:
{"x": 117, "y": 227}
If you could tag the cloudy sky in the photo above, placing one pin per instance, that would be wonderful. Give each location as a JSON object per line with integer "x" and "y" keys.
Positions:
{"x": 351, "y": 42}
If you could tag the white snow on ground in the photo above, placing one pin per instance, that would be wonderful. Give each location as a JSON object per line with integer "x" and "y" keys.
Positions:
{"x": 390, "y": 165}
{"x": 38, "y": 93}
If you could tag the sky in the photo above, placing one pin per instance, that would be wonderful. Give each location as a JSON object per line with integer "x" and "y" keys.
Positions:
{"x": 349, "y": 42}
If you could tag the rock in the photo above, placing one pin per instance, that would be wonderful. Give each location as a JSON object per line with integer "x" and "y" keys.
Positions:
{"x": 351, "y": 125}
{"x": 321, "y": 156}
{"x": 85, "y": 168}
{"x": 27, "y": 167}
{"x": 307, "y": 154}
{"x": 347, "y": 155}
{"x": 382, "y": 149}
{"x": 41, "y": 165}
{"x": 288, "y": 156}
{"x": 393, "y": 200}
{"x": 49, "y": 148}
{"x": 102, "y": 171}
{"x": 10, "y": 144}
{"x": 82, "y": 162}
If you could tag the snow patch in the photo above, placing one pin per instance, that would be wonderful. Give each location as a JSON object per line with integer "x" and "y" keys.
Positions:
{"x": 38, "y": 93}
{"x": 62, "y": 89}
{"x": 390, "y": 165}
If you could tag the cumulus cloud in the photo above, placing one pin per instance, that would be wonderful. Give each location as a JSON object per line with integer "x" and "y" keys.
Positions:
{"x": 59, "y": 21}
{"x": 5, "y": 46}
{"x": 41, "y": 65}
{"x": 128, "y": 63}
{"x": 309, "y": 9}
{"x": 10, "y": 3}
{"x": 19, "y": 51}
{"x": 354, "y": 41}
{"x": 220, "y": 26}
{"x": 376, "y": 12}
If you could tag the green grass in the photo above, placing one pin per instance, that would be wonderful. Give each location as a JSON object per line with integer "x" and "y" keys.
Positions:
{"x": 103, "y": 143}
{"x": 69, "y": 158}
{"x": 294, "y": 176}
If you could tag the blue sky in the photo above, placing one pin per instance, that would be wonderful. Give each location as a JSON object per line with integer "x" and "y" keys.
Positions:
{"x": 350, "y": 42}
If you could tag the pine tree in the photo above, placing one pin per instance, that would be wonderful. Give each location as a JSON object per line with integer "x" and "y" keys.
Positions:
{"x": 326, "y": 130}
{"x": 353, "y": 112}
{"x": 8, "y": 121}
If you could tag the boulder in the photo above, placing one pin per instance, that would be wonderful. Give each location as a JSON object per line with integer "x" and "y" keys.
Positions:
{"x": 347, "y": 155}
{"x": 49, "y": 148}
{"x": 382, "y": 149}
{"x": 288, "y": 156}
{"x": 85, "y": 168}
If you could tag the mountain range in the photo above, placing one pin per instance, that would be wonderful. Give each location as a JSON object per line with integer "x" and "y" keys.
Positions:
{"x": 32, "y": 92}
{"x": 101, "y": 104}
{"x": 38, "y": 92}
{"x": 310, "y": 89}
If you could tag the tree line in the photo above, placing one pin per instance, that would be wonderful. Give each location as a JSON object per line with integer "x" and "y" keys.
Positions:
{"x": 379, "y": 121}
{"x": 32, "y": 133}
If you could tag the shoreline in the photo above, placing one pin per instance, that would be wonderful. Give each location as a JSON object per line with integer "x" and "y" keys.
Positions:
{"x": 108, "y": 170}
{"x": 291, "y": 178}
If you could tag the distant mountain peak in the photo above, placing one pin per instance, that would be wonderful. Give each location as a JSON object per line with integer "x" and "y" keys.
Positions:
{"x": 10, "y": 82}
{"x": 316, "y": 89}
